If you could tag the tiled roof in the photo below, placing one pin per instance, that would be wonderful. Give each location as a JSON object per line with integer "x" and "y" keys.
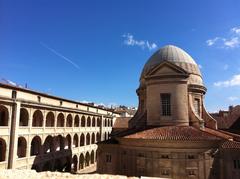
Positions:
{"x": 218, "y": 133}
{"x": 231, "y": 145}
{"x": 174, "y": 133}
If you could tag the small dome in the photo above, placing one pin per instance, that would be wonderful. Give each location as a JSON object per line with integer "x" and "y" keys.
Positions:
{"x": 174, "y": 55}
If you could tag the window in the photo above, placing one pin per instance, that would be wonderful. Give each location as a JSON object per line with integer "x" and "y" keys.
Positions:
{"x": 236, "y": 164}
{"x": 108, "y": 158}
{"x": 192, "y": 157}
{"x": 165, "y": 172}
{"x": 165, "y": 156}
{"x": 166, "y": 104}
{"x": 61, "y": 103}
{"x": 191, "y": 173}
{"x": 39, "y": 99}
{"x": 197, "y": 106}
{"x": 14, "y": 94}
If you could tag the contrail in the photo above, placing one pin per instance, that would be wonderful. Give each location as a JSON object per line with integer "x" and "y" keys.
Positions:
{"x": 60, "y": 55}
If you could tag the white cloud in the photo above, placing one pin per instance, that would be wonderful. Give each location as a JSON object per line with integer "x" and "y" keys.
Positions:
{"x": 233, "y": 98}
{"x": 225, "y": 67}
{"x": 130, "y": 41}
{"x": 236, "y": 30}
{"x": 211, "y": 42}
{"x": 231, "y": 41}
{"x": 234, "y": 81}
{"x": 199, "y": 66}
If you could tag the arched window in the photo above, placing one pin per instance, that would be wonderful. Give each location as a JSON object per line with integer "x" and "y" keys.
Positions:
{"x": 37, "y": 120}
{"x": 22, "y": 147}
{"x": 69, "y": 121}
{"x": 98, "y": 122}
{"x": 87, "y": 159}
{"x": 81, "y": 161}
{"x": 48, "y": 145}
{"x": 98, "y": 137}
{"x": 75, "y": 140}
{"x": 74, "y": 163}
{"x": 3, "y": 116}
{"x": 59, "y": 143}
{"x": 76, "y": 121}
{"x": 2, "y": 150}
{"x": 88, "y": 139}
{"x": 105, "y": 125}
{"x": 93, "y": 122}
{"x": 88, "y": 122}
{"x": 50, "y": 120}
{"x": 68, "y": 142}
{"x": 60, "y": 120}
{"x": 83, "y": 121}
{"x": 92, "y": 157}
{"x": 36, "y": 146}
{"x": 105, "y": 136}
{"x": 24, "y": 117}
{"x": 93, "y": 138}
{"x": 82, "y": 140}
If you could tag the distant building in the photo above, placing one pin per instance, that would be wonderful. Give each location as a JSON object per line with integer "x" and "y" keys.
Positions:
{"x": 229, "y": 120}
{"x": 45, "y": 132}
{"x": 171, "y": 135}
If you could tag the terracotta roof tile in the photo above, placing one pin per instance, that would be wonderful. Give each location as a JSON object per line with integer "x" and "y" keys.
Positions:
{"x": 174, "y": 133}
{"x": 231, "y": 145}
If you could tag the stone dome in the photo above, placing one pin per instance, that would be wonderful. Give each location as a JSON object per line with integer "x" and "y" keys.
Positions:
{"x": 178, "y": 57}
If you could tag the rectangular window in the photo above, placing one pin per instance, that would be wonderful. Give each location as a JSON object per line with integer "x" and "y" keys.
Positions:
{"x": 166, "y": 104}
{"x": 236, "y": 164}
{"x": 197, "y": 106}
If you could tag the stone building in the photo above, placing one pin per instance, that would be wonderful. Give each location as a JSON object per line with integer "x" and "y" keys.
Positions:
{"x": 171, "y": 135}
{"x": 45, "y": 132}
{"x": 229, "y": 120}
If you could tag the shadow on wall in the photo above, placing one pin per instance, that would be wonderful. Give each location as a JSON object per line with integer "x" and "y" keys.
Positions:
{"x": 54, "y": 154}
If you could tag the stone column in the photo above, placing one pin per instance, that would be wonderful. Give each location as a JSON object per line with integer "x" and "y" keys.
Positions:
{"x": 14, "y": 135}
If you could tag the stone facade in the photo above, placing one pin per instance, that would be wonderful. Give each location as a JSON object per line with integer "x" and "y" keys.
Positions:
{"x": 171, "y": 135}
{"x": 44, "y": 132}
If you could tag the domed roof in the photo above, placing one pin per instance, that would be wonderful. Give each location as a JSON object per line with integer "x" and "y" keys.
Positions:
{"x": 174, "y": 55}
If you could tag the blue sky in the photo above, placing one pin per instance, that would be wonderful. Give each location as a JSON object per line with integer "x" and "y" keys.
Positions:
{"x": 81, "y": 49}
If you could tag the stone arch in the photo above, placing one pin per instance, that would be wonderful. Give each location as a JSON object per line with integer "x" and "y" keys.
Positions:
{"x": 36, "y": 146}
{"x": 88, "y": 139}
{"x": 88, "y": 121}
{"x": 75, "y": 140}
{"x": 69, "y": 121}
{"x": 93, "y": 122}
{"x": 37, "y": 120}
{"x": 92, "y": 157}
{"x": 67, "y": 142}
{"x": 48, "y": 145}
{"x": 74, "y": 163}
{"x": 82, "y": 140}
{"x": 50, "y": 119}
{"x": 93, "y": 138}
{"x": 81, "y": 161}
{"x": 98, "y": 122}
{"x": 24, "y": 117}
{"x": 3, "y": 148}
{"x": 76, "y": 121}
{"x": 83, "y": 121}
{"x": 87, "y": 159}
{"x": 60, "y": 120}
{"x": 98, "y": 137}
{"x": 59, "y": 143}
{"x": 4, "y": 115}
{"x": 22, "y": 147}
